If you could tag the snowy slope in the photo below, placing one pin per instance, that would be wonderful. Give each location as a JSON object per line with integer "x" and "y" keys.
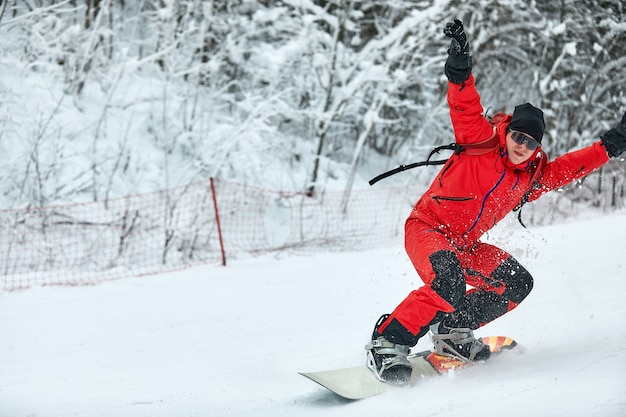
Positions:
{"x": 217, "y": 341}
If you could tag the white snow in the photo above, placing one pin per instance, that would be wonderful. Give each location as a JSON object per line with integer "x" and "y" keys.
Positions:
{"x": 229, "y": 341}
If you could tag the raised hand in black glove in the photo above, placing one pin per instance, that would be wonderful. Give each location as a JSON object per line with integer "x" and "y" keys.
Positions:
{"x": 459, "y": 63}
{"x": 614, "y": 140}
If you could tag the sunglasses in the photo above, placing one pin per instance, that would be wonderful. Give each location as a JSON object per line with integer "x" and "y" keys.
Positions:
{"x": 521, "y": 138}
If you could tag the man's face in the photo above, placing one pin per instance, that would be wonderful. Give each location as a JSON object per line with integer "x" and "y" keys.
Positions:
{"x": 517, "y": 148}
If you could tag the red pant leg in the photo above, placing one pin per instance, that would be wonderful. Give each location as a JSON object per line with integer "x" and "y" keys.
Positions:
{"x": 411, "y": 318}
{"x": 499, "y": 284}
{"x": 480, "y": 262}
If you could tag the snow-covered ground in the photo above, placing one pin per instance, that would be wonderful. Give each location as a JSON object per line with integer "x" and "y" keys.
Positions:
{"x": 215, "y": 341}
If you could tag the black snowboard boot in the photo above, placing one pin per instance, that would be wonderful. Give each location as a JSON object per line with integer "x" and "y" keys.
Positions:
{"x": 458, "y": 342}
{"x": 389, "y": 361}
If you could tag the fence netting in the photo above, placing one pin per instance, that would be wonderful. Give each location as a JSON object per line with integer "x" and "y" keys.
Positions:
{"x": 87, "y": 243}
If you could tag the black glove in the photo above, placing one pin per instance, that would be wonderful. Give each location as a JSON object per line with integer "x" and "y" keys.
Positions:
{"x": 614, "y": 140}
{"x": 459, "y": 63}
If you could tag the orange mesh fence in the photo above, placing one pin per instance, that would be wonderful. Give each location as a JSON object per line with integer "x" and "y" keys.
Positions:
{"x": 81, "y": 244}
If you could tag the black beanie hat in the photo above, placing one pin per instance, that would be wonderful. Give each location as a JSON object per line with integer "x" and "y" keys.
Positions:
{"x": 528, "y": 119}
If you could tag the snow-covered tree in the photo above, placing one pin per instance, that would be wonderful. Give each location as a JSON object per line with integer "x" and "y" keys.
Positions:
{"x": 114, "y": 97}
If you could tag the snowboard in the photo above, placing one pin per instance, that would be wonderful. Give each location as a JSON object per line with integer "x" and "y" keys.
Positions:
{"x": 359, "y": 382}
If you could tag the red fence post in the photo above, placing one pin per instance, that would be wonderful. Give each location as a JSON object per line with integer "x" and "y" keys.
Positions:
{"x": 217, "y": 220}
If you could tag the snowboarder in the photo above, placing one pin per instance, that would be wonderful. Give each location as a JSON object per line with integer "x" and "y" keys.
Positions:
{"x": 469, "y": 196}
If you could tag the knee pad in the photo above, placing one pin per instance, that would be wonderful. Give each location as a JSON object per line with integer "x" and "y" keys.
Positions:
{"x": 449, "y": 282}
{"x": 517, "y": 280}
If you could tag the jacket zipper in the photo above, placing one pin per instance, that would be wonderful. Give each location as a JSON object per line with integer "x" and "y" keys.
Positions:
{"x": 482, "y": 205}
{"x": 438, "y": 198}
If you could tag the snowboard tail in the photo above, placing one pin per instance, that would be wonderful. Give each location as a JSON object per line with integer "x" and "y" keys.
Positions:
{"x": 359, "y": 382}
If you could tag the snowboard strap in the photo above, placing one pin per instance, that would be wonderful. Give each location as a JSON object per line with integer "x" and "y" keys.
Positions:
{"x": 445, "y": 344}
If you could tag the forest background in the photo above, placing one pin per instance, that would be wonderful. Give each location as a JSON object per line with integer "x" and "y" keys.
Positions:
{"x": 106, "y": 98}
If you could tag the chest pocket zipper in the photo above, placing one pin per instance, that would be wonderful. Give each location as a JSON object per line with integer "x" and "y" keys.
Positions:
{"x": 438, "y": 199}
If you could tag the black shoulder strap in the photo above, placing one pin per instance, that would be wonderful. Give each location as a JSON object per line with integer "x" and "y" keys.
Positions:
{"x": 534, "y": 184}
{"x": 452, "y": 147}
{"x": 477, "y": 148}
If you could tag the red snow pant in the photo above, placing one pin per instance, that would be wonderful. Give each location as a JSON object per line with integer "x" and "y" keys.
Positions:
{"x": 498, "y": 284}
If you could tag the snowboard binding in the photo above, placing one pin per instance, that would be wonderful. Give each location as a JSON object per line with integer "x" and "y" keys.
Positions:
{"x": 459, "y": 343}
{"x": 389, "y": 361}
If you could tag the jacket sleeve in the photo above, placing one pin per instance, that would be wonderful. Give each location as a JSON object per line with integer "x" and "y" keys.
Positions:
{"x": 466, "y": 113}
{"x": 570, "y": 167}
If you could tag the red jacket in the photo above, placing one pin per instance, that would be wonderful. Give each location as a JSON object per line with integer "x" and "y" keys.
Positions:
{"x": 474, "y": 192}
